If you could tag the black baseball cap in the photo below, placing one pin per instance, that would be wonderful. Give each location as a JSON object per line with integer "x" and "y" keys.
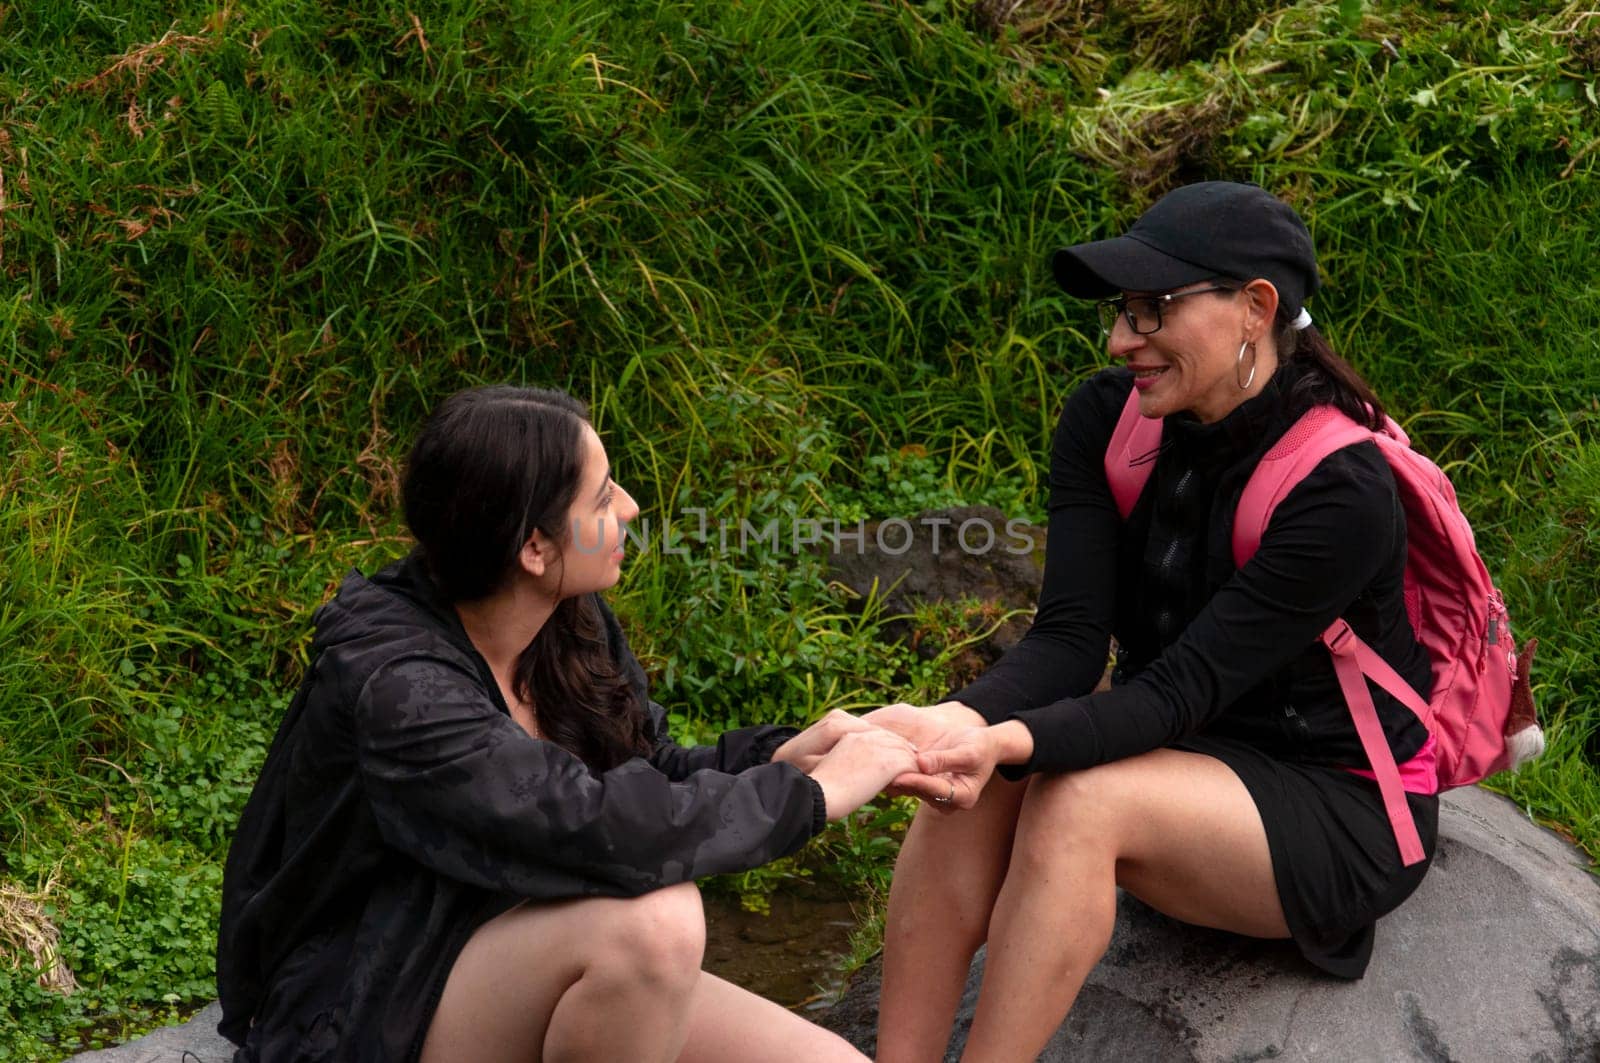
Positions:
{"x": 1195, "y": 233}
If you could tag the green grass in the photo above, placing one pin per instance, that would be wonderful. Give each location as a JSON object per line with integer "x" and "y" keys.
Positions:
{"x": 791, "y": 252}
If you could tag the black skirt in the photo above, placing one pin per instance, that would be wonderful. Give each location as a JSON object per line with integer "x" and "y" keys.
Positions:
{"x": 1334, "y": 853}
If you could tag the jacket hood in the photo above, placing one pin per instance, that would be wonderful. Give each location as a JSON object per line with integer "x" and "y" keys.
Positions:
{"x": 400, "y": 594}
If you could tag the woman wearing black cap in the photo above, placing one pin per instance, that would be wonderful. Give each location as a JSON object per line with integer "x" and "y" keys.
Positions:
{"x": 1213, "y": 779}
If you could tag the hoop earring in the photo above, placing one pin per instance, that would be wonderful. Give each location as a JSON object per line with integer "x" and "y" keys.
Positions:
{"x": 1244, "y": 385}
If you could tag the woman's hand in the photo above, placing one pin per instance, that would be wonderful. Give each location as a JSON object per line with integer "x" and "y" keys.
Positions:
{"x": 969, "y": 755}
{"x": 927, "y": 727}
{"x": 859, "y": 766}
{"x": 924, "y": 725}
{"x": 808, "y": 747}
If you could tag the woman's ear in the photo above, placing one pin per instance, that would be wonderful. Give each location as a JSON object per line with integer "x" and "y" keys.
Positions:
{"x": 537, "y": 554}
{"x": 1263, "y": 310}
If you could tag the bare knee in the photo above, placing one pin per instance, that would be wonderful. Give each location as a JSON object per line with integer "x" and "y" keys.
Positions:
{"x": 1144, "y": 810}
{"x": 657, "y": 938}
{"x": 1069, "y": 816}
{"x": 1077, "y": 800}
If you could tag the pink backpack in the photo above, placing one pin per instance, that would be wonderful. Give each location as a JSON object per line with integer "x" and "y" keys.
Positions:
{"x": 1480, "y": 712}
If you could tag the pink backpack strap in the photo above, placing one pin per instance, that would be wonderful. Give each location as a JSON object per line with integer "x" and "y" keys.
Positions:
{"x": 1352, "y": 659}
{"x": 1317, "y": 434}
{"x": 1129, "y": 455}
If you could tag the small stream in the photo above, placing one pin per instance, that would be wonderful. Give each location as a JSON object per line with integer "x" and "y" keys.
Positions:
{"x": 790, "y": 956}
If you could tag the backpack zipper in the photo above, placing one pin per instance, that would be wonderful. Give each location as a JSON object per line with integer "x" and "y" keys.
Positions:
{"x": 1497, "y": 616}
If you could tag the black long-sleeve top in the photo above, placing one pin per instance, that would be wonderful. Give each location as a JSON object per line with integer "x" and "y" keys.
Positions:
{"x": 1205, "y": 646}
{"x": 401, "y": 806}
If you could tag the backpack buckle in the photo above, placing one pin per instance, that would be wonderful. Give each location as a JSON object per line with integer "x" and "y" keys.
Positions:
{"x": 1338, "y": 637}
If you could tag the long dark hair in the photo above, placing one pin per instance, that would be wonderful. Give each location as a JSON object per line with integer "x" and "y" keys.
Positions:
{"x": 490, "y": 467}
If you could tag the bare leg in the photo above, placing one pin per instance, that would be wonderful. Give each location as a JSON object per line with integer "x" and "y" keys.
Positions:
{"x": 549, "y": 982}
{"x": 945, "y": 882}
{"x": 732, "y": 1025}
{"x": 1178, "y": 830}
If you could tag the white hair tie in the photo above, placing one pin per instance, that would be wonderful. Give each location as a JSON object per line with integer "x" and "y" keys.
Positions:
{"x": 1303, "y": 321}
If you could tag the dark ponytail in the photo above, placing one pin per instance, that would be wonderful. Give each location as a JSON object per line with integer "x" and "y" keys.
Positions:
{"x": 1327, "y": 379}
{"x": 490, "y": 467}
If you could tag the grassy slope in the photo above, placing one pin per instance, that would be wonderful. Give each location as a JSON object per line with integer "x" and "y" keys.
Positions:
{"x": 790, "y": 252}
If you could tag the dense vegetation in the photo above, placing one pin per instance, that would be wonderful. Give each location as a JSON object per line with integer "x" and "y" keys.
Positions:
{"x": 790, "y": 250}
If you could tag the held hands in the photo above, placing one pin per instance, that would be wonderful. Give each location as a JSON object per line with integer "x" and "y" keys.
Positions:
{"x": 941, "y": 753}
{"x": 966, "y": 756}
{"x": 925, "y": 726}
{"x": 808, "y": 747}
{"x": 933, "y": 727}
{"x": 859, "y": 766}
{"x": 852, "y": 760}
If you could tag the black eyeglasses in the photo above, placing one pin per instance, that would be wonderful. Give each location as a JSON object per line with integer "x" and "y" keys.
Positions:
{"x": 1143, "y": 312}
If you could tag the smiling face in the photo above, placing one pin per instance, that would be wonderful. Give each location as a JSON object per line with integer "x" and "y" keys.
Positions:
{"x": 1192, "y": 362}
{"x": 591, "y": 553}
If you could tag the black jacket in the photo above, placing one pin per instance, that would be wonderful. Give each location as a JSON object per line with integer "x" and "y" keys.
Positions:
{"x": 401, "y": 807}
{"x": 1206, "y": 647}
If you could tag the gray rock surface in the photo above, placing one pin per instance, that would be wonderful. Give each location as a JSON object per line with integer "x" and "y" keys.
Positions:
{"x": 1495, "y": 958}
{"x": 196, "y": 1041}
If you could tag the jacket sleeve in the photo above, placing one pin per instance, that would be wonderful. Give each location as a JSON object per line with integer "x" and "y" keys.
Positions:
{"x": 1324, "y": 545}
{"x": 735, "y": 751}
{"x": 457, "y": 785}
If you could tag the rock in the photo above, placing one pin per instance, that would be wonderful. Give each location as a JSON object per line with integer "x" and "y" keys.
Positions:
{"x": 1496, "y": 957}
{"x": 969, "y": 555}
{"x": 195, "y": 1041}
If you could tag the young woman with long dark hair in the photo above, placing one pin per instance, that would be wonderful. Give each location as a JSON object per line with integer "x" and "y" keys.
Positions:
{"x": 473, "y": 838}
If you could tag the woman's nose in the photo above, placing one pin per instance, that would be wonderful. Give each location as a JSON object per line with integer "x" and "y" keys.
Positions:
{"x": 1122, "y": 341}
{"x": 629, "y": 510}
